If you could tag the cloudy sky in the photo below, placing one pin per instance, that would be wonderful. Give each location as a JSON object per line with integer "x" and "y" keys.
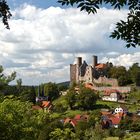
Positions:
{"x": 44, "y": 38}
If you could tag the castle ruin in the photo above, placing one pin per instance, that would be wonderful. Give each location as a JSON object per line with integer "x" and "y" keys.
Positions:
{"x": 95, "y": 73}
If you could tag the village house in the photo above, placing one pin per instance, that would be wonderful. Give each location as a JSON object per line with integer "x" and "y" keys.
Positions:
{"x": 74, "y": 121}
{"x": 111, "y": 95}
{"x": 113, "y": 119}
{"x": 45, "y": 105}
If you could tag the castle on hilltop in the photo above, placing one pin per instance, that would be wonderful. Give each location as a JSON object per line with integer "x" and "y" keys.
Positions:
{"x": 95, "y": 73}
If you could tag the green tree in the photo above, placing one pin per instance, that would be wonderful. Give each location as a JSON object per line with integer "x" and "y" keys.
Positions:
{"x": 71, "y": 98}
{"x": 59, "y": 107}
{"x": 28, "y": 95}
{"x": 86, "y": 98}
{"x": 134, "y": 71}
{"x": 96, "y": 133}
{"x": 51, "y": 90}
{"x": 1, "y": 98}
{"x": 94, "y": 117}
{"x": 116, "y": 133}
{"x": 18, "y": 121}
{"x": 5, "y": 80}
{"x": 52, "y": 125}
{"x": 128, "y": 30}
{"x": 65, "y": 134}
{"x": 121, "y": 74}
{"x": 138, "y": 79}
{"x": 62, "y": 87}
{"x": 80, "y": 129}
{"x": 19, "y": 85}
{"x": 133, "y": 123}
{"x": 5, "y": 12}
{"x": 135, "y": 96}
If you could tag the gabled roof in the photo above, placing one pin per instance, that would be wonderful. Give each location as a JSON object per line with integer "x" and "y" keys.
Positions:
{"x": 76, "y": 119}
{"x": 109, "y": 91}
{"x": 100, "y": 66}
{"x": 89, "y": 85}
{"x": 73, "y": 122}
{"x": 46, "y": 103}
{"x": 115, "y": 120}
{"x": 81, "y": 117}
{"x": 67, "y": 120}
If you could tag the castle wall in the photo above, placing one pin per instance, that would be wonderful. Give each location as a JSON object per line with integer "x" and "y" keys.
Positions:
{"x": 81, "y": 79}
{"x": 104, "y": 80}
{"x": 119, "y": 89}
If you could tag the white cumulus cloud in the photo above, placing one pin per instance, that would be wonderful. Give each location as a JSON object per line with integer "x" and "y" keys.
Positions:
{"x": 41, "y": 43}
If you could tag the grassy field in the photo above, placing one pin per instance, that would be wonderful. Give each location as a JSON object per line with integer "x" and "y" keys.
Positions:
{"x": 112, "y": 105}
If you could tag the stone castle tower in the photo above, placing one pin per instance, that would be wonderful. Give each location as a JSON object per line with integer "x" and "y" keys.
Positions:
{"x": 82, "y": 72}
{"x": 78, "y": 70}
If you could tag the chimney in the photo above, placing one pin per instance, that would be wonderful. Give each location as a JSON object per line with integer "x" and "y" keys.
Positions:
{"x": 79, "y": 61}
{"x": 95, "y": 61}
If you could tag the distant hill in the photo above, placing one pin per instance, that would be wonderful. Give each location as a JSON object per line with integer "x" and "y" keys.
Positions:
{"x": 67, "y": 83}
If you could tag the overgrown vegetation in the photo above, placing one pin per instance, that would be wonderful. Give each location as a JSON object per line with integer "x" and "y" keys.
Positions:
{"x": 124, "y": 76}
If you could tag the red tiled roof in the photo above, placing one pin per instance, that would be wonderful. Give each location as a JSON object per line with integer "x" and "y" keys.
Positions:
{"x": 100, "y": 66}
{"x": 67, "y": 120}
{"x": 81, "y": 117}
{"x": 73, "y": 122}
{"x": 89, "y": 85}
{"x": 46, "y": 103}
{"x": 77, "y": 117}
{"x": 109, "y": 91}
{"x": 115, "y": 120}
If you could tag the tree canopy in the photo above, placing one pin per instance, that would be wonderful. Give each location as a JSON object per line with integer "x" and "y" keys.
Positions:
{"x": 87, "y": 99}
{"x": 5, "y": 80}
{"x": 135, "y": 73}
{"x": 128, "y": 30}
{"x": 125, "y": 76}
{"x": 5, "y": 13}
{"x": 51, "y": 90}
{"x": 19, "y": 121}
